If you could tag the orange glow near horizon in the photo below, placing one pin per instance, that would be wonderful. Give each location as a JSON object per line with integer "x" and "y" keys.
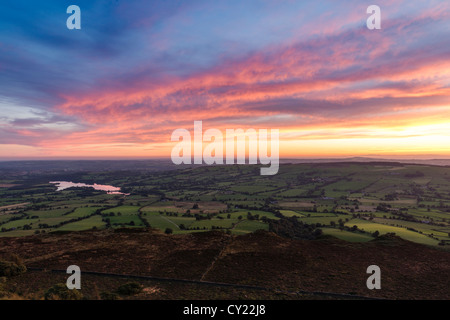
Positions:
{"x": 430, "y": 140}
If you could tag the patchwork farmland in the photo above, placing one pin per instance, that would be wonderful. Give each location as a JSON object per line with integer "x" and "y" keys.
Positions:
{"x": 355, "y": 202}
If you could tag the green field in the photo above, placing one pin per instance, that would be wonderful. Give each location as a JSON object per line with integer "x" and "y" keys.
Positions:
{"x": 402, "y": 232}
{"x": 412, "y": 201}
{"x": 95, "y": 221}
{"x": 290, "y": 213}
{"x": 346, "y": 235}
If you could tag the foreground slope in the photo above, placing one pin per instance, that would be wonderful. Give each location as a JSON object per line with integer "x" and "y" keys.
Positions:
{"x": 409, "y": 270}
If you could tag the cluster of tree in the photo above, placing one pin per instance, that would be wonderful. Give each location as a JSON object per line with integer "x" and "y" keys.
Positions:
{"x": 26, "y": 192}
{"x": 37, "y": 207}
{"x": 199, "y": 217}
{"x": 18, "y": 217}
{"x": 143, "y": 192}
{"x": 384, "y": 207}
{"x": 144, "y": 220}
{"x": 183, "y": 227}
{"x": 46, "y": 225}
{"x": 417, "y": 174}
{"x": 391, "y": 196}
{"x": 111, "y": 214}
{"x": 444, "y": 242}
{"x": 265, "y": 207}
{"x": 108, "y": 223}
{"x": 252, "y": 217}
{"x": 170, "y": 214}
{"x": 69, "y": 212}
{"x": 294, "y": 229}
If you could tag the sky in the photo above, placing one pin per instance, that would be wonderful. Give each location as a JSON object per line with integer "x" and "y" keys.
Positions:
{"x": 139, "y": 69}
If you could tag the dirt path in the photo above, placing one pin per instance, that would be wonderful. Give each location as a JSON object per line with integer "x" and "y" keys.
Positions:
{"x": 13, "y": 206}
{"x": 221, "y": 254}
{"x": 237, "y": 223}
{"x": 168, "y": 220}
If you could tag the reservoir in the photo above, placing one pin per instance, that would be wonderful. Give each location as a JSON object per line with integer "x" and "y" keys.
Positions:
{"x": 62, "y": 185}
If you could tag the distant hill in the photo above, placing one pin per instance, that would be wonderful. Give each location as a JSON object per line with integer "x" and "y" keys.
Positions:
{"x": 435, "y": 162}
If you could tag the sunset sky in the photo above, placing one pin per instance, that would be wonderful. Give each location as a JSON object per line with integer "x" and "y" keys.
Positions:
{"x": 138, "y": 70}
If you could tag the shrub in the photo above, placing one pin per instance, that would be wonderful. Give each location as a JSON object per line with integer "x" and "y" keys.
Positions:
{"x": 9, "y": 269}
{"x": 61, "y": 292}
{"x": 129, "y": 289}
{"x": 109, "y": 296}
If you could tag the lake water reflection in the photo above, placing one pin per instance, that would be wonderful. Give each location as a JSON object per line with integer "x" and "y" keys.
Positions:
{"x": 61, "y": 185}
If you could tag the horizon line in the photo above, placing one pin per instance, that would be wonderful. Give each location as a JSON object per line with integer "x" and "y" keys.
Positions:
{"x": 368, "y": 157}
